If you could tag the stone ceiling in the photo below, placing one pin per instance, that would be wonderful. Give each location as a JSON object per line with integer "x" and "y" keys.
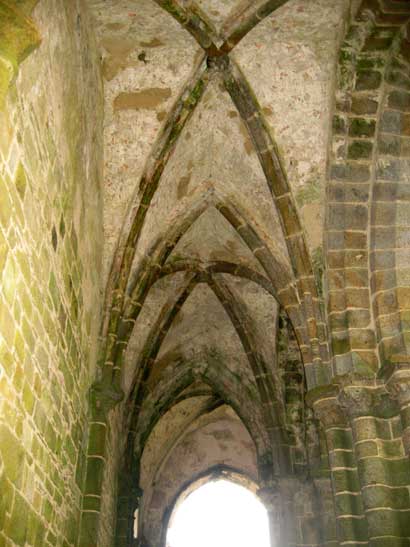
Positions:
{"x": 217, "y": 124}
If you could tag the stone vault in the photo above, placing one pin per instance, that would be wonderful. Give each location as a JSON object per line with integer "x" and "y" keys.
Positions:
{"x": 204, "y": 266}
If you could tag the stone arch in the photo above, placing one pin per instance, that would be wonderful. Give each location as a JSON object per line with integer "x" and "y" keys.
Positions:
{"x": 150, "y": 272}
{"x": 217, "y": 472}
{"x": 161, "y": 328}
{"x": 217, "y": 383}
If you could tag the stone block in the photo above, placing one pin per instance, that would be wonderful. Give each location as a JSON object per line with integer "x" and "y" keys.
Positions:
{"x": 391, "y": 122}
{"x": 389, "y": 145}
{"x": 398, "y": 79}
{"x": 348, "y": 504}
{"x": 360, "y": 149}
{"x": 368, "y": 80}
{"x": 18, "y": 523}
{"x": 383, "y": 496}
{"x": 368, "y": 428}
{"x": 12, "y": 453}
{"x": 384, "y": 522}
{"x": 362, "y": 105}
{"x": 345, "y": 480}
{"x": 362, "y": 127}
{"x": 94, "y": 475}
{"x": 348, "y": 216}
{"x": 375, "y": 470}
{"x": 399, "y": 100}
{"x": 351, "y": 172}
{"x": 352, "y": 529}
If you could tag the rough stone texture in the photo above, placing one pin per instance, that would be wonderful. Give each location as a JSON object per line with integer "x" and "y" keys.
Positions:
{"x": 250, "y": 244}
{"x": 147, "y": 58}
{"x": 298, "y": 47}
{"x": 50, "y": 258}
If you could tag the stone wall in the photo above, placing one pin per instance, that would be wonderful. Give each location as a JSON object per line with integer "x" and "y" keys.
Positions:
{"x": 50, "y": 258}
{"x": 237, "y": 270}
{"x": 367, "y": 207}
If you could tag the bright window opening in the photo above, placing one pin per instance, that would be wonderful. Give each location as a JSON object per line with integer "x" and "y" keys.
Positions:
{"x": 220, "y": 514}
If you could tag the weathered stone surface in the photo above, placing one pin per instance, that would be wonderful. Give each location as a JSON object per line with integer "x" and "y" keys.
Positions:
{"x": 49, "y": 172}
{"x": 249, "y": 242}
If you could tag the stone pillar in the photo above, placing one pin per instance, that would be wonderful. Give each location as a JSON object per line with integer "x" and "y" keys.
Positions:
{"x": 383, "y": 469}
{"x": 270, "y": 497}
{"x": 326, "y": 509}
{"x": 122, "y": 510}
{"x": 104, "y": 397}
{"x": 398, "y": 385}
{"x": 278, "y": 497}
{"x": 351, "y": 526}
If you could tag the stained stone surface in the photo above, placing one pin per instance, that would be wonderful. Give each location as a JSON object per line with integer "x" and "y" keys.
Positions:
{"x": 204, "y": 265}
{"x": 50, "y": 287}
{"x": 298, "y": 47}
{"x": 147, "y": 59}
{"x": 220, "y": 12}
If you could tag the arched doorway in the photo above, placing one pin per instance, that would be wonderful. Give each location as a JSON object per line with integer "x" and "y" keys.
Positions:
{"x": 221, "y": 513}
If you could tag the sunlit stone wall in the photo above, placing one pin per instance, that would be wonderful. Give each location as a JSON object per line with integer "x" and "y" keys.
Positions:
{"x": 50, "y": 254}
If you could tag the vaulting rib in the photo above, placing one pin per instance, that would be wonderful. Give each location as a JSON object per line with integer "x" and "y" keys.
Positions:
{"x": 204, "y": 409}
{"x": 197, "y": 24}
{"x": 166, "y": 397}
{"x": 276, "y": 282}
{"x": 155, "y": 339}
{"x": 263, "y": 378}
{"x": 146, "y": 278}
{"x": 161, "y": 328}
{"x": 220, "y": 266}
{"x": 250, "y": 112}
{"x": 236, "y": 29}
{"x": 194, "y": 21}
{"x": 131, "y": 231}
{"x": 182, "y": 111}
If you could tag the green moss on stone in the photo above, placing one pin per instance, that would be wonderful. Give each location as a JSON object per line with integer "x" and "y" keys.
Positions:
{"x": 364, "y": 63}
{"x": 362, "y": 127}
{"x": 346, "y": 56}
{"x": 382, "y": 471}
{"x": 18, "y": 38}
{"x": 339, "y": 439}
{"x": 6, "y": 75}
{"x": 309, "y": 193}
{"x": 17, "y": 526}
{"x": 360, "y": 150}
{"x": 345, "y": 480}
{"x": 321, "y": 392}
{"x": 21, "y": 181}
{"x": 363, "y": 368}
{"x": 384, "y": 522}
{"x": 340, "y": 343}
{"x": 5, "y": 204}
{"x": 173, "y": 10}
{"x": 348, "y": 504}
{"x": 95, "y": 467}
{"x": 6, "y": 499}
{"x": 353, "y": 529}
{"x": 383, "y": 496}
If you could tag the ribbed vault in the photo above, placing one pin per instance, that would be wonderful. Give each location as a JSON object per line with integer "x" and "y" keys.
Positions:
{"x": 204, "y": 266}
{"x": 213, "y": 213}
